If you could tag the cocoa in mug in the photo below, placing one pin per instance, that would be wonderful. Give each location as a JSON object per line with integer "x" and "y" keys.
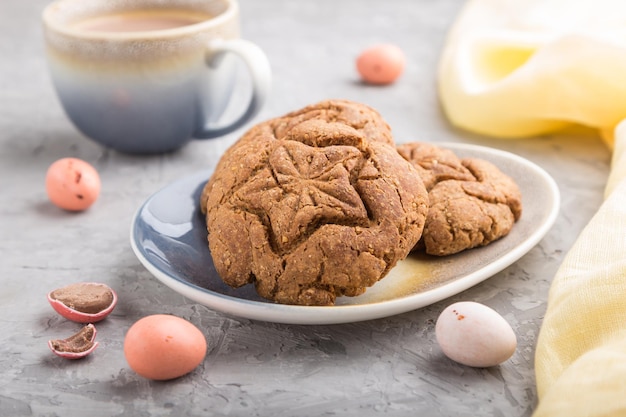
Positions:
{"x": 147, "y": 76}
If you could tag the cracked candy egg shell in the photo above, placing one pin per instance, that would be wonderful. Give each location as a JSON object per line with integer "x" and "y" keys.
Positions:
{"x": 76, "y": 346}
{"x": 72, "y": 184}
{"x": 83, "y": 302}
{"x": 313, "y": 205}
{"x": 475, "y": 335}
{"x": 163, "y": 347}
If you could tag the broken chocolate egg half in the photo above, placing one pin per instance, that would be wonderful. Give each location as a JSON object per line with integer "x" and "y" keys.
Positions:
{"x": 76, "y": 346}
{"x": 83, "y": 302}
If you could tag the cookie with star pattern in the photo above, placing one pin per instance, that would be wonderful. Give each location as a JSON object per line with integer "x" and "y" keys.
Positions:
{"x": 313, "y": 205}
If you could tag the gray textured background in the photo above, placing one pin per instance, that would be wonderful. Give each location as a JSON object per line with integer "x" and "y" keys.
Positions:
{"x": 389, "y": 366}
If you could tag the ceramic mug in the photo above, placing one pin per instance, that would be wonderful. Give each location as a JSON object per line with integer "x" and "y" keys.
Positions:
{"x": 147, "y": 76}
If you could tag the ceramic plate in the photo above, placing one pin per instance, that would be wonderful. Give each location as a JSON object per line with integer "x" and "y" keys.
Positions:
{"x": 168, "y": 235}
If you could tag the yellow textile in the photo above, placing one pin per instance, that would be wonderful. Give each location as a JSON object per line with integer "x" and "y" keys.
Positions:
{"x": 580, "y": 360}
{"x": 513, "y": 68}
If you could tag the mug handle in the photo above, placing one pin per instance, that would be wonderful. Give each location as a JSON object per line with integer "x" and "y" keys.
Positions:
{"x": 260, "y": 73}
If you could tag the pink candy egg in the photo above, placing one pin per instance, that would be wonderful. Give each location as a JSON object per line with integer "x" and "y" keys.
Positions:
{"x": 164, "y": 347}
{"x": 72, "y": 184}
{"x": 381, "y": 64}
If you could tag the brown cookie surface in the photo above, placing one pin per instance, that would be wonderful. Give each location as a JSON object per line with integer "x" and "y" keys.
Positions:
{"x": 313, "y": 205}
{"x": 472, "y": 202}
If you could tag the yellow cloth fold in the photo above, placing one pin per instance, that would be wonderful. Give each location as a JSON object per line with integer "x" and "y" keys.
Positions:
{"x": 513, "y": 68}
{"x": 580, "y": 361}
{"x": 518, "y": 68}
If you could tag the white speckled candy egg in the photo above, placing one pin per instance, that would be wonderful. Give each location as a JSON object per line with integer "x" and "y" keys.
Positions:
{"x": 475, "y": 335}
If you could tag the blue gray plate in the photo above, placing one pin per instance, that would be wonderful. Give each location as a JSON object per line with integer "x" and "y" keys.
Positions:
{"x": 168, "y": 235}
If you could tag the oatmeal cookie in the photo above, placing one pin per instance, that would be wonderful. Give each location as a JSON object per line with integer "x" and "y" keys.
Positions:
{"x": 313, "y": 205}
{"x": 472, "y": 202}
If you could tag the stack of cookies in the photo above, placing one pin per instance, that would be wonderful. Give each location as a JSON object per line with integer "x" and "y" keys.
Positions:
{"x": 320, "y": 203}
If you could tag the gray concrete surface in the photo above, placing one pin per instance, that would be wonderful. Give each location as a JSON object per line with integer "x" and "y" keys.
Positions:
{"x": 389, "y": 366}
